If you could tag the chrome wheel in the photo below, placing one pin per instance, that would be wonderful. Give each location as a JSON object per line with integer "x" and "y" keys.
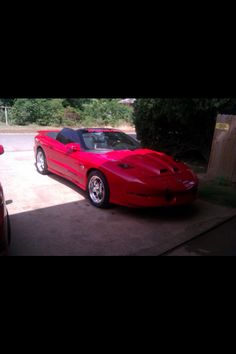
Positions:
{"x": 40, "y": 161}
{"x": 96, "y": 190}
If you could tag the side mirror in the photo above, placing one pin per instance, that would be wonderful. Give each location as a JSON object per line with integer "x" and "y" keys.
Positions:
{"x": 73, "y": 148}
{"x": 1, "y": 150}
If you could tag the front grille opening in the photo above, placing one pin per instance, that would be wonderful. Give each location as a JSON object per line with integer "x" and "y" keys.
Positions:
{"x": 163, "y": 170}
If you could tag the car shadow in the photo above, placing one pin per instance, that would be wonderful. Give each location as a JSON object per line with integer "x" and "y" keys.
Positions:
{"x": 69, "y": 184}
{"x": 165, "y": 213}
{"x": 79, "y": 229}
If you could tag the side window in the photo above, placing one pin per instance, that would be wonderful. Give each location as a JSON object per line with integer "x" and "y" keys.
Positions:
{"x": 61, "y": 138}
{"x": 67, "y": 136}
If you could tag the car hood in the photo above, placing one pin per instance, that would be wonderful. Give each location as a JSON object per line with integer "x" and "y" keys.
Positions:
{"x": 147, "y": 162}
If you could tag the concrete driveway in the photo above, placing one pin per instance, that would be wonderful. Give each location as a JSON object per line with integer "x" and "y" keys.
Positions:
{"x": 50, "y": 216}
{"x": 17, "y": 142}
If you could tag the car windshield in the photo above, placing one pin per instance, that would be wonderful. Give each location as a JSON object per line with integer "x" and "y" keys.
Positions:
{"x": 106, "y": 140}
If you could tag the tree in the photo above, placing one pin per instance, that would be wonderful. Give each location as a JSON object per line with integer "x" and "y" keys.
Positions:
{"x": 76, "y": 102}
{"x": 66, "y": 112}
{"x": 6, "y": 101}
{"x": 40, "y": 111}
{"x": 105, "y": 112}
{"x": 179, "y": 126}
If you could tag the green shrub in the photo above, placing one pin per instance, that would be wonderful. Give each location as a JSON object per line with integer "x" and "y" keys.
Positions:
{"x": 215, "y": 192}
{"x": 59, "y": 112}
{"x": 71, "y": 116}
{"x": 102, "y": 112}
{"x": 2, "y": 116}
{"x": 76, "y": 103}
{"x": 38, "y": 111}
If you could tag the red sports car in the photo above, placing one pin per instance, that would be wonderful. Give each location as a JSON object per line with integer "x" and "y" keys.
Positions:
{"x": 4, "y": 221}
{"x": 113, "y": 168}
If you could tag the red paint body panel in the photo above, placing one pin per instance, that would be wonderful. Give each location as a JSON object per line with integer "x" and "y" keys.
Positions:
{"x": 149, "y": 178}
{"x": 3, "y": 225}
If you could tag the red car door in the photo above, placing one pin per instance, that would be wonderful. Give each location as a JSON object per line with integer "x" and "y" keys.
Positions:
{"x": 74, "y": 165}
{"x": 68, "y": 162}
{"x": 56, "y": 154}
{"x": 65, "y": 156}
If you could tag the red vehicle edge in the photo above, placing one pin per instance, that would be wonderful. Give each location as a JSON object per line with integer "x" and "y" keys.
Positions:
{"x": 129, "y": 177}
{"x": 5, "y": 232}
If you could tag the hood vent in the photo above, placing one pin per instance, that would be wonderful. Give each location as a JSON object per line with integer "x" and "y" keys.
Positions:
{"x": 165, "y": 170}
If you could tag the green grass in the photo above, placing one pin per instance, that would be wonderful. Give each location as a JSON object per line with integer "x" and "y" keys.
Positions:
{"x": 218, "y": 193}
{"x": 196, "y": 166}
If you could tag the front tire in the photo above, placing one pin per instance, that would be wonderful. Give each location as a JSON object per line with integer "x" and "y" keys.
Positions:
{"x": 98, "y": 190}
{"x": 41, "y": 162}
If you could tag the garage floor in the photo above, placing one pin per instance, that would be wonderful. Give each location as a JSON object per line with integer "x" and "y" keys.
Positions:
{"x": 50, "y": 216}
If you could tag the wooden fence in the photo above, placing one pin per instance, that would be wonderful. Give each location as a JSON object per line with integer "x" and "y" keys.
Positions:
{"x": 222, "y": 161}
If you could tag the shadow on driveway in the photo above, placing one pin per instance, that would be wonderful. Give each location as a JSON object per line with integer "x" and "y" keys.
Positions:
{"x": 78, "y": 228}
{"x": 221, "y": 241}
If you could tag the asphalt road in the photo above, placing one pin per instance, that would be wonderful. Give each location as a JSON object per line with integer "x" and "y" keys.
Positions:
{"x": 17, "y": 142}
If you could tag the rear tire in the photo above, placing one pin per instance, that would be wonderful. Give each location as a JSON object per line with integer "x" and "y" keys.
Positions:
{"x": 41, "y": 162}
{"x": 98, "y": 190}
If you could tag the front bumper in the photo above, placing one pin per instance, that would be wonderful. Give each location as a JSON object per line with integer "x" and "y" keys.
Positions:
{"x": 168, "y": 198}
